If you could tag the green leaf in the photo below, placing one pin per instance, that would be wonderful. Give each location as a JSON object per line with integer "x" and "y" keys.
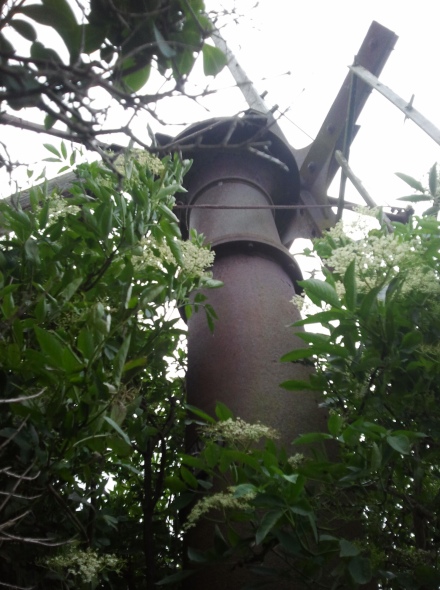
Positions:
{"x": 376, "y": 457}
{"x": 214, "y": 60}
{"x": 321, "y": 290}
{"x": 52, "y": 149}
{"x": 360, "y": 570}
{"x": 324, "y": 317}
{"x": 151, "y": 294}
{"x": 433, "y": 181}
{"x": 400, "y": 444}
{"x": 69, "y": 361}
{"x": 118, "y": 429}
{"x": 137, "y": 80}
{"x": 58, "y": 15}
{"x": 120, "y": 358}
{"x": 31, "y": 250}
{"x": 411, "y": 181}
{"x": 85, "y": 343}
{"x": 68, "y": 292}
{"x": 369, "y": 303}
{"x": 174, "y": 578}
{"x": 49, "y": 121}
{"x": 6, "y": 46}
{"x": 200, "y": 414}
{"x": 211, "y": 454}
{"x": 175, "y": 484}
{"x": 24, "y": 29}
{"x": 164, "y": 47}
{"x": 432, "y": 210}
{"x": 318, "y": 350}
{"x": 312, "y": 437}
{"x": 223, "y": 412}
{"x": 347, "y": 549}
{"x": 243, "y": 489}
{"x": 196, "y": 556}
{"x": 427, "y": 576}
{"x": 51, "y": 345}
{"x": 188, "y": 477}
{"x": 298, "y": 354}
{"x": 212, "y": 283}
{"x": 350, "y": 286}
{"x": 335, "y": 423}
{"x": 415, "y": 198}
{"x": 135, "y": 363}
{"x": 120, "y": 447}
{"x": 168, "y": 191}
{"x": 268, "y": 522}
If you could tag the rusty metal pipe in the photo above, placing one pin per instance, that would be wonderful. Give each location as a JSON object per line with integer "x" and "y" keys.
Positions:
{"x": 239, "y": 364}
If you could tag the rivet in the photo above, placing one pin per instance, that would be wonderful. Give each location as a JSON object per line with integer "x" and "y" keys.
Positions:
{"x": 311, "y": 167}
{"x": 330, "y": 129}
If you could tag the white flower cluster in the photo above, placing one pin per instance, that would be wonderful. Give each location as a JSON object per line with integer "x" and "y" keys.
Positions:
{"x": 296, "y": 460}
{"x": 144, "y": 158}
{"x": 238, "y": 431}
{"x": 220, "y": 501}
{"x": 356, "y": 227}
{"x": 84, "y": 564}
{"x": 298, "y": 301}
{"x": 377, "y": 257}
{"x": 152, "y": 254}
{"x": 195, "y": 259}
{"x": 59, "y": 207}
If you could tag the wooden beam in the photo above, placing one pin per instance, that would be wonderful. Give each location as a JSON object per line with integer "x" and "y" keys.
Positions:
{"x": 373, "y": 54}
{"x": 405, "y": 106}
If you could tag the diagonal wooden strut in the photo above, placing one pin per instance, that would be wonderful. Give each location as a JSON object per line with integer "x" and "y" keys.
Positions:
{"x": 405, "y": 106}
{"x": 317, "y": 163}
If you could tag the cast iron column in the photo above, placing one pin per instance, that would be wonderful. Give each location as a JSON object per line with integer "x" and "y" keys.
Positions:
{"x": 240, "y": 164}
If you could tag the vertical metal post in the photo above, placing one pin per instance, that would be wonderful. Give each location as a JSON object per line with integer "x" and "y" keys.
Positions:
{"x": 240, "y": 162}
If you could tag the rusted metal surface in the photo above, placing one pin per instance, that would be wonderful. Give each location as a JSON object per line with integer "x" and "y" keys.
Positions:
{"x": 318, "y": 167}
{"x": 239, "y": 364}
{"x": 240, "y": 150}
{"x": 239, "y": 161}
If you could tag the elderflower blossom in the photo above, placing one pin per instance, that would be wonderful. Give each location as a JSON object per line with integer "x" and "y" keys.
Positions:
{"x": 84, "y": 564}
{"x": 143, "y": 157}
{"x": 220, "y": 501}
{"x": 238, "y": 431}
{"x": 153, "y": 254}
{"x": 296, "y": 460}
{"x": 423, "y": 280}
{"x": 195, "y": 259}
{"x": 366, "y": 219}
{"x": 377, "y": 258}
{"x": 298, "y": 301}
{"x": 59, "y": 207}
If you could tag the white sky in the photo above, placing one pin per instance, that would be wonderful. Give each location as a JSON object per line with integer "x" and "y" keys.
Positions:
{"x": 315, "y": 41}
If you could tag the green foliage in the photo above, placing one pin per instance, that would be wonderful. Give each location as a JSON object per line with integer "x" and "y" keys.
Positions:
{"x": 90, "y": 355}
{"x": 431, "y": 193}
{"x": 359, "y": 504}
{"x": 98, "y": 44}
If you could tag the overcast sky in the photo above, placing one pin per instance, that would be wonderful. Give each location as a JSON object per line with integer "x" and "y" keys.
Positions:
{"x": 315, "y": 40}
